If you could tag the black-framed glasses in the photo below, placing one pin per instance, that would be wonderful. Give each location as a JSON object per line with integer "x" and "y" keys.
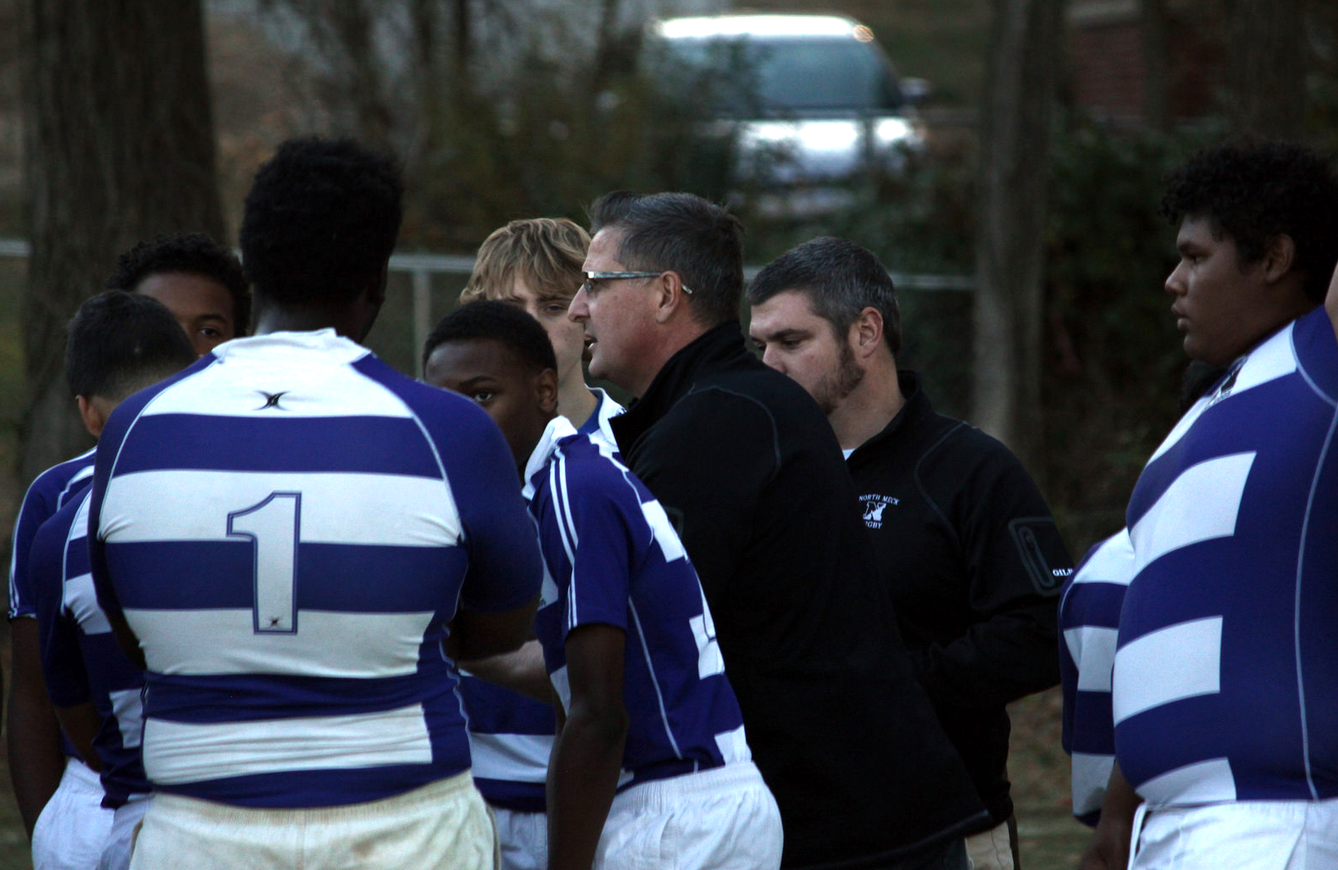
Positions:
{"x": 592, "y": 277}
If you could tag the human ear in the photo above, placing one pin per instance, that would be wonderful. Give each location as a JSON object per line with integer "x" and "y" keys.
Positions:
{"x": 669, "y": 296}
{"x": 867, "y": 331}
{"x": 546, "y": 390}
{"x": 1279, "y": 257}
{"x": 93, "y": 413}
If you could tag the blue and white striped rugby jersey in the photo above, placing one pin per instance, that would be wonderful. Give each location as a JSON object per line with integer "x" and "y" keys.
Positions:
{"x": 614, "y": 559}
{"x": 1226, "y": 674}
{"x": 1089, "y": 622}
{"x": 511, "y": 735}
{"x": 288, "y": 526}
{"x": 81, "y": 659}
{"x": 49, "y": 492}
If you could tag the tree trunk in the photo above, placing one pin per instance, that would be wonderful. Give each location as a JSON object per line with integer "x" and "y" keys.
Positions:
{"x": 119, "y": 147}
{"x": 1015, "y": 140}
{"x": 1267, "y": 53}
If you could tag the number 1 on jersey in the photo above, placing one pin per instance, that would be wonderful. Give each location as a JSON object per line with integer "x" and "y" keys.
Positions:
{"x": 272, "y": 526}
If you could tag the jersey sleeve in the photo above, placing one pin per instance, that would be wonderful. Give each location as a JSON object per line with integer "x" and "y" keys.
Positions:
{"x": 1016, "y": 565}
{"x": 600, "y": 512}
{"x": 62, "y": 660}
{"x": 505, "y": 568}
{"x": 37, "y": 508}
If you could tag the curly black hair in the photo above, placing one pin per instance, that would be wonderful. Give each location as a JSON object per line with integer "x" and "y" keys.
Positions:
{"x": 1256, "y": 190}
{"x": 320, "y": 221}
{"x": 498, "y": 321}
{"x": 193, "y": 254}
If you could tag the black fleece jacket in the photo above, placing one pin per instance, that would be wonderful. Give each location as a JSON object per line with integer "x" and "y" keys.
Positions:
{"x": 975, "y": 564}
{"x": 746, "y": 464}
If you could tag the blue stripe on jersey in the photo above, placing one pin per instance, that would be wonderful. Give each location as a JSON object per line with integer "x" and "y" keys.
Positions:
{"x": 1226, "y": 676}
{"x": 231, "y": 698}
{"x": 81, "y": 660}
{"x": 289, "y": 445}
{"x": 616, "y": 560}
{"x": 220, "y": 572}
{"x": 263, "y": 689}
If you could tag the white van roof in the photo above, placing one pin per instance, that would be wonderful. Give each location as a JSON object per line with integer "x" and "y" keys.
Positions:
{"x": 761, "y": 25}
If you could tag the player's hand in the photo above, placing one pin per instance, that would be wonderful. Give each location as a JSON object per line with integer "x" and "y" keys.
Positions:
{"x": 1107, "y": 850}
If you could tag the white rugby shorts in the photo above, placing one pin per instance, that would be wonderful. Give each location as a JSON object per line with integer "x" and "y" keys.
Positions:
{"x": 73, "y": 827}
{"x": 441, "y": 826}
{"x": 1242, "y": 835}
{"x": 719, "y": 819}
{"x": 523, "y": 839}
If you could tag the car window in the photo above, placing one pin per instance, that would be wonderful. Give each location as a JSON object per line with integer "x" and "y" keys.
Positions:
{"x": 787, "y": 75}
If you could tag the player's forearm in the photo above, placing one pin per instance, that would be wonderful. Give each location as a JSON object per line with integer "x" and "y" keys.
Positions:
{"x": 520, "y": 671}
{"x": 582, "y": 779}
{"x": 1110, "y": 843}
{"x": 36, "y": 762}
{"x": 81, "y": 724}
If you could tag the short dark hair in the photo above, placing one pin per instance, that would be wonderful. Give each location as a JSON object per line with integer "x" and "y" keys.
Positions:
{"x": 496, "y": 321}
{"x": 1255, "y": 190}
{"x": 320, "y": 221}
{"x": 119, "y": 343}
{"x": 840, "y": 279}
{"x": 682, "y": 232}
{"x": 192, "y": 254}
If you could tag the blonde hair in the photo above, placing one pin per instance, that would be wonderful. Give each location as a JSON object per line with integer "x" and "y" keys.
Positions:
{"x": 546, "y": 253}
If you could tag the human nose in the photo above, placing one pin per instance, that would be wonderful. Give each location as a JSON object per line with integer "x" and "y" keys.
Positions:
{"x": 772, "y": 359}
{"x": 1175, "y": 282}
{"x": 579, "y": 309}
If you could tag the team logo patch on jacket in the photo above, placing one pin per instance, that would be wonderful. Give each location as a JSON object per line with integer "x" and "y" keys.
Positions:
{"x": 874, "y": 505}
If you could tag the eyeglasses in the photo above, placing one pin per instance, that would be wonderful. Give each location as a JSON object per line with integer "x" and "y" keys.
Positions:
{"x": 592, "y": 277}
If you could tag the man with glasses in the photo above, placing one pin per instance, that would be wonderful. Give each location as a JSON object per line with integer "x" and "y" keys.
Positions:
{"x": 748, "y": 469}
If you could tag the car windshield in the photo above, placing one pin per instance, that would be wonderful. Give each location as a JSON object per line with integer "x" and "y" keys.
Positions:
{"x": 796, "y": 74}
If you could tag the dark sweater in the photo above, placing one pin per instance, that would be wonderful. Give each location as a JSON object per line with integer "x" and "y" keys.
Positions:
{"x": 975, "y": 564}
{"x": 744, "y": 461}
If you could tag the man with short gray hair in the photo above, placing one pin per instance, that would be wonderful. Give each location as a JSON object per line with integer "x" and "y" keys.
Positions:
{"x": 746, "y": 467}
{"x": 966, "y": 543}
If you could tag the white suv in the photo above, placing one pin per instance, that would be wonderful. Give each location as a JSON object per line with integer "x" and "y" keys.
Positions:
{"x": 812, "y": 100}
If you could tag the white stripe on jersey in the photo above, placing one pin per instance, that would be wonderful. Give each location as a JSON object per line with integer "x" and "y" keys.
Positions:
{"x": 1142, "y": 675}
{"x": 1201, "y": 504}
{"x": 328, "y": 644}
{"x": 511, "y": 757}
{"x": 654, "y": 680}
{"x": 733, "y": 745}
{"x": 169, "y": 506}
{"x": 179, "y": 752}
{"x": 1273, "y": 359}
{"x": 1093, "y": 650}
{"x": 81, "y": 600}
{"x": 562, "y": 686}
{"x": 1110, "y": 563}
{"x": 129, "y": 713}
{"x": 557, "y": 481}
{"x": 1203, "y": 782}
{"x": 239, "y": 387}
{"x": 1091, "y": 773}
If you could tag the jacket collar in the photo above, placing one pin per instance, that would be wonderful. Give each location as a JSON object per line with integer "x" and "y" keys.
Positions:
{"x": 719, "y": 347}
{"x": 917, "y": 407}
